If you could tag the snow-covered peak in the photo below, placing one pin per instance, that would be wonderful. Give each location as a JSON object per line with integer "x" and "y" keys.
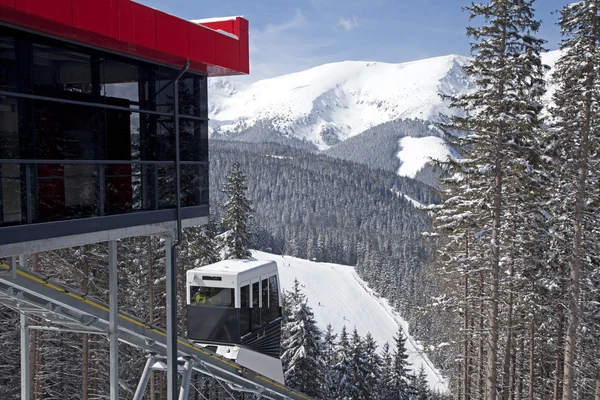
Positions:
{"x": 335, "y": 101}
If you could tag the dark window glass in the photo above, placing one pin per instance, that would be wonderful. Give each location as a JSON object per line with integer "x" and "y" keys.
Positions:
{"x": 273, "y": 292}
{"x": 193, "y": 95}
{"x": 9, "y": 129}
{"x": 210, "y": 296}
{"x": 8, "y": 62}
{"x": 256, "y": 323}
{"x": 192, "y": 142}
{"x": 10, "y": 192}
{"x": 245, "y": 296}
{"x": 265, "y": 293}
{"x": 119, "y": 79}
{"x": 245, "y": 310}
{"x": 62, "y": 71}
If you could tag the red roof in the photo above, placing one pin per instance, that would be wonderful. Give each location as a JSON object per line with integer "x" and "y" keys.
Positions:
{"x": 130, "y": 28}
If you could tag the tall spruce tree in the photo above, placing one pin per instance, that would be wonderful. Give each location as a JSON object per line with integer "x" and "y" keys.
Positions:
{"x": 401, "y": 378}
{"x": 575, "y": 137}
{"x": 237, "y": 210}
{"x": 497, "y": 127}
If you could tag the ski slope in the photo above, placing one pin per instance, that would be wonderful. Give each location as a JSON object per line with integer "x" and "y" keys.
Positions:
{"x": 340, "y": 298}
{"x": 415, "y": 153}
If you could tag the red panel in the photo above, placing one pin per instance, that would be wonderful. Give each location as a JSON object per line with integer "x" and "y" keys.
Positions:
{"x": 97, "y": 16}
{"x": 126, "y": 28}
{"x": 8, "y": 3}
{"x": 227, "y": 52}
{"x": 244, "y": 61}
{"x": 241, "y": 23}
{"x": 57, "y": 10}
{"x": 144, "y": 25}
{"x": 172, "y": 35}
{"x": 202, "y": 44}
{"x": 226, "y": 26}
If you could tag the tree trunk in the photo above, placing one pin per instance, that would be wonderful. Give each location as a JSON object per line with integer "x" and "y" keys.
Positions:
{"x": 521, "y": 361}
{"x": 532, "y": 356}
{"x": 559, "y": 368}
{"x": 508, "y": 348}
{"x": 576, "y": 254}
{"x": 597, "y": 396}
{"x": 480, "y": 355}
{"x": 466, "y": 359}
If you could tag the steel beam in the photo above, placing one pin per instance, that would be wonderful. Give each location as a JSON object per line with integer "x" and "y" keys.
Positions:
{"x": 185, "y": 380}
{"x": 113, "y": 331}
{"x": 171, "y": 320}
{"x": 25, "y": 389}
{"x": 141, "y": 389}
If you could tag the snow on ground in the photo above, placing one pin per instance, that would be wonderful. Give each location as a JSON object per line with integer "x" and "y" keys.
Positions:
{"x": 416, "y": 152}
{"x": 340, "y": 298}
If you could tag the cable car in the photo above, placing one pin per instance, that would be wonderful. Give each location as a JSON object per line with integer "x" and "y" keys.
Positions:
{"x": 234, "y": 306}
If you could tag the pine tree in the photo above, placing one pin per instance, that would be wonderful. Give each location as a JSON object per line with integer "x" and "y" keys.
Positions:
{"x": 329, "y": 351}
{"x": 573, "y": 137}
{"x": 421, "y": 387}
{"x": 302, "y": 359}
{"x": 401, "y": 377}
{"x": 373, "y": 367}
{"x": 342, "y": 368}
{"x": 384, "y": 389}
{"x": 496, "y": 129}
{"x": 237, "y": 210}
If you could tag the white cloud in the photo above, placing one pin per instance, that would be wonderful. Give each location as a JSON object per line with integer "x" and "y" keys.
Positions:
{"x": 348, "y": 23}
{"x": 297, "y": 21}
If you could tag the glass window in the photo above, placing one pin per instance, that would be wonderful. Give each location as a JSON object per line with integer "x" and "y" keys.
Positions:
{"x": 9, "y": 128}
{"x": 265, "y": 293}
{"x": 119, "y": 80}
{"x": 211, "y": 296}
{"x": 8, "y": 63}
{"x": 10, "y": 192}
{"x": 193, "y": 95}
{"x": 273, "y": 292}
{"x": 62, "y": 71}
{"x": 256, "y": 322}
{"x": 245, "y": 296}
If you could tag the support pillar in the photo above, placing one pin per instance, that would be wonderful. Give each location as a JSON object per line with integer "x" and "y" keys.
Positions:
{"x": 25, "y": 388}
{"x": 185, "y": 380}
{"x": 113, "y": 332}
{"x": 171, "y": 320}
{"x": 141, "y": 389}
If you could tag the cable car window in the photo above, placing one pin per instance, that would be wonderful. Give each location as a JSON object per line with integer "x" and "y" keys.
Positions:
{"x": 265, "y": 293}
{"x": 256, "y": 323}
{"x": 211, "y": 296}
{"x": 273, "y": 292}
{"x": 245, "y": 296}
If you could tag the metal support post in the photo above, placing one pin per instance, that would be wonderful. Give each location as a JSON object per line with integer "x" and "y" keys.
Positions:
{"x": 23, "y": 261}
{"x": 12, "y": 263}
{"x": 171, "y": 320}
{"x": 141, "y": 389}
{"x": 113, "y": 331}
{"x": 185, "y": 380}
{"x": 25, "y": 389}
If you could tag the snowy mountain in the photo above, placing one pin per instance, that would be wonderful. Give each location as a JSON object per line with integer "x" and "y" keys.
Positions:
{"x": 333, "y": 102}
{"x": 340, "y": 298}
{"x": 321, "y": 108}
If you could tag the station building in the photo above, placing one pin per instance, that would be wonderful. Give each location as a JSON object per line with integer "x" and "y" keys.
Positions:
{"x": 90, "y": 115}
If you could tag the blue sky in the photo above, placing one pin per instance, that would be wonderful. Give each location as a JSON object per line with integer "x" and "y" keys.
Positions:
{"x": 292, "y": 35}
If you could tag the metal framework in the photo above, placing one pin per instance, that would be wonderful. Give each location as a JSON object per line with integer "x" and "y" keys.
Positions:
{"x": 62, "y": 308}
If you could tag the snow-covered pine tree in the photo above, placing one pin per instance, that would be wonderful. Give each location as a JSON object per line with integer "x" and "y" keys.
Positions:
{"x": 357, "y": 373}
{"x": 575, "y": 133}
{"x": 401, "y": 377}
{"x": 384, "y": 391}
{"x": 498, "y": 122}
{"x": 237, "y": 210}
{"x": 342, "y": 368}
{"x": 329, "y": 351}
{"x": 420, "y": 385}
{"x": 302, "y": 359}
{"x": 373, "y": 367}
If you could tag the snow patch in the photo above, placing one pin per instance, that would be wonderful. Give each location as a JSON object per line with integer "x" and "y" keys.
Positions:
{"x": 340, "y": 298}
{"x": 416, "y": 152}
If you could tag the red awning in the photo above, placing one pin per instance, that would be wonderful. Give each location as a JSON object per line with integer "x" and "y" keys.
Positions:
{"x": 216, "y": 47}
